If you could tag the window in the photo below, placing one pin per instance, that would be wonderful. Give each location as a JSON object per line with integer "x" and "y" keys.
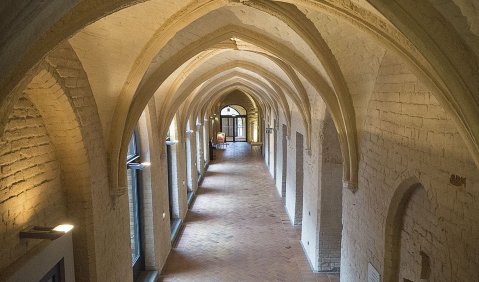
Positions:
{"x": 134, "y": 202}
{"x": 229, "y": 111}
{"x": 234, "y": 123}
{"x": 171, "y": 197}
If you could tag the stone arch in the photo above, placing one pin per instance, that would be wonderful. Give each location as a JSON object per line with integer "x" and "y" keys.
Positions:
{"x": 197, "y": 104}
{"x": 222, "y": 88}
{"x": 246, "y": 101}
{"x": 207, "y": 92}
{"x": 346, "y": 126}
{"x": 244, "y": 86}
{"x": 83, "y": 13}
{"x": 393, "y": 226}
{"x": 217, "y": 96}
{"x": 353, "y": 12}
{"x": 277, "y": 84}
{"x": 68, "y": 110}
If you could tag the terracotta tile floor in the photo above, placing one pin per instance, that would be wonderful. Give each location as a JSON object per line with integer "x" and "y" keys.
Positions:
{"x": 237, "y": 229}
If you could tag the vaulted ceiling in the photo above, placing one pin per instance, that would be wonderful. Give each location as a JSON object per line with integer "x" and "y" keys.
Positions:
{"x": 285, "y": 54}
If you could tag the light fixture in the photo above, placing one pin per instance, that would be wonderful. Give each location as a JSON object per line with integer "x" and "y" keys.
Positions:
{"x": 171, "y": 142}
{"x": 45, "y": 232}
{"x": 63, "y": 228}
{"x": 135, "y": 165}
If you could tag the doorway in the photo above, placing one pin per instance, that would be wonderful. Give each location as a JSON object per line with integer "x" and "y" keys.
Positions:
{"x": 234, "y": 123}
{"x": 234, "y": 128}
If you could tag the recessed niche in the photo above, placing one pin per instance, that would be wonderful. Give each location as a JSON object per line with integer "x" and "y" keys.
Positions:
{"x": 425, "y": 265}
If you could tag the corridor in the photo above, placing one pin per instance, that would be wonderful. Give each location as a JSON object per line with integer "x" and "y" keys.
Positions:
{"x": 237, "y": 229}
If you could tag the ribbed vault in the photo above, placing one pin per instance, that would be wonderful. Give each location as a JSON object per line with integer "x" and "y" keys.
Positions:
{"x": 183, "y": 53}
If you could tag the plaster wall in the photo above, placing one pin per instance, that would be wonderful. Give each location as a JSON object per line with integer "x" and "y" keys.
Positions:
{"x": 292, "y": 207}
{"x": 281, "y": 157}
{"x": 330, "y": 200}
{"x": 191, "y": 151}
{"x": 272, "y": 147}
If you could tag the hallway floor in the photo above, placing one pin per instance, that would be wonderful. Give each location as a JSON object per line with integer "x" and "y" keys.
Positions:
{"x": 237, "y": 229}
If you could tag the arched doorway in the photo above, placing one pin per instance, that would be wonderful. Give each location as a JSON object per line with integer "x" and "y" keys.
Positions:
{"x": 414, "y": 237}
{"x": 234, "y": 123}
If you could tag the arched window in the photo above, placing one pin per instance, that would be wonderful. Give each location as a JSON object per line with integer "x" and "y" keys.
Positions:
{"x": 229, "y": 111}
{"x": 173, "y": 180}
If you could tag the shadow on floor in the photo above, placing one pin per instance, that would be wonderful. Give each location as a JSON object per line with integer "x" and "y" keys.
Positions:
{"x": 187, "y": 264}
{"x": 194, "y": 216}
{"x": 209, "y": 191}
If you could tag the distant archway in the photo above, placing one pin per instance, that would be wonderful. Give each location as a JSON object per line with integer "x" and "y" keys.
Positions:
{"x": 234, "y": 123}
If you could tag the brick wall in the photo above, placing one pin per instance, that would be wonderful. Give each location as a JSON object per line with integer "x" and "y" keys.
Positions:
{"x": 422, "y": 234}
{"x": 407, "y": 133}
{"x": 30, "y": 181}
{"x": 101, "y": 221}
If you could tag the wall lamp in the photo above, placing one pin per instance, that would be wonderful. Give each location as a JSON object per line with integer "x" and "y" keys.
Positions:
{"x": 44, "y": 232}
{"x": 171, "y": 142}
{"x": 142, "y": 165}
